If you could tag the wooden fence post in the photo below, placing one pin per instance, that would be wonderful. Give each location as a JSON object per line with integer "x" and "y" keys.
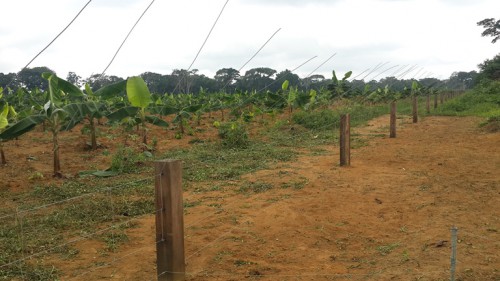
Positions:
{"x": 415, "y": 108}
{"x": 345, "y": 140}
{"x": 392, "y": 133}
{"x": 428, "y": 104}
{"x": 169, "y": 220}
{"x": 435, "y": 101}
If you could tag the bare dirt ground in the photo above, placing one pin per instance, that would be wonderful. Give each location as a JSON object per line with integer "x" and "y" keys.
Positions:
{"x": 387, "y": 217}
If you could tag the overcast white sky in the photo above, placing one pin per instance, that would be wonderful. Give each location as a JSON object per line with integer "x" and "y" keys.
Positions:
{"x": 438, "y": 36}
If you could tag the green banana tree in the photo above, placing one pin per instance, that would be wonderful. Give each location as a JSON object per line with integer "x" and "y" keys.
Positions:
{"x": 139, "y": 98}
{"x": 415, "y": 91}
{"x": 340, "y": 88}
{"x": 182, "y": 111}
{"x": 55, "y": 114}
{"x": 58, "y": 115}
{"x": 94, "y": 107}
{"x": 7, "y": 113}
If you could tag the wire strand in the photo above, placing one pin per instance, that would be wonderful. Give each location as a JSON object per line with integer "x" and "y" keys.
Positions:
{"x": 126, "y": 37}
{"x": 202, "y": 45}
{"x": 50, "y": 43}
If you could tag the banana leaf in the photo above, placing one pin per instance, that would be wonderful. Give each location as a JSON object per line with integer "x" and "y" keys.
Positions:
{"x": 21, "y": 127}
{"x": 120, "y": 114}
{"x": 156, "y": 121}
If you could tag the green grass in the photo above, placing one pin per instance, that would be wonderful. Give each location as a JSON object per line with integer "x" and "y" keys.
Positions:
{"x": 211, "y": 162}
{"x": 482, "y": 101}
{"x": 255, "y": 187}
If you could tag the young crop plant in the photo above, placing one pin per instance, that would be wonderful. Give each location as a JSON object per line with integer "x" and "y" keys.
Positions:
{"x": 7, "y": 112}
{"x": 55, "y": 114}
{"x": 139, "y": 98}
{"x": 234, "y": 135}
{"x": 340, "y": 88}
{"x": 92, "y": 108}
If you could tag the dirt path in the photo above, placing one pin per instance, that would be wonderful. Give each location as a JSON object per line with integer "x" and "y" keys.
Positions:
{"x": 387, "y": 217}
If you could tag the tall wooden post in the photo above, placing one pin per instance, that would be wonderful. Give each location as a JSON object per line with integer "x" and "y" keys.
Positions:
{"x": 428, "y": 104}
{"x": 392, "y": 133}
{"x": 435, "y": 101}
{"x": 169, "y": 220}
{"x": 415, "y": 109}
{"x": 345, "y": 140}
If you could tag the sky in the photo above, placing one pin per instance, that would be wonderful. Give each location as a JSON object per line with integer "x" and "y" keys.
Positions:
{"x": 432, "y": 37}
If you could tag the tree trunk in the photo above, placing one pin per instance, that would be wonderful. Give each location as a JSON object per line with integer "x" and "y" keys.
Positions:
{"x": 415, "y": 109}
{"x": 3, "y": 161}
{"x": 144, "y": 134}
{"x": 428, "y": 104}
{"x": 392, "y": 133}
{"x": 57, "y": 163}
{"x": 222, "y": 113}
{"x": 435, "y": 101}
{"x": 181, "y": 124}
{"x": 93, "y": 139}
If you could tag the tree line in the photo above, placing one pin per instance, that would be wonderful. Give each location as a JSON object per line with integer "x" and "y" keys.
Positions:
{"x": 230, "y": 80}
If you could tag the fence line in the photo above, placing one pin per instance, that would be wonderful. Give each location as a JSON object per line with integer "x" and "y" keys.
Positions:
{"x": 109, "y": 189}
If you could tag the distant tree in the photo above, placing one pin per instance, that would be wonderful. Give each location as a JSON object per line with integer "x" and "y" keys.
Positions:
{"x": 201, "y": 81}
{"x": 183, "y": 80}
{"x": 490, "y": 69}
{"x": 96, "y": 81}
{"x": 315, "y": 82}
{"x": 434, "y": 82}
{"x": 462, "y": 80}
{"x": 293, "y": 79}
{"x": 5, "y": 79}
{"x": 31, "y": 78}
{"x": 74, "y": 79}
{"x": 157, "y": 83}
{"x": 256, "y": 79}
{"x": 226, "y": 77}
{"x": 491, "y": 28}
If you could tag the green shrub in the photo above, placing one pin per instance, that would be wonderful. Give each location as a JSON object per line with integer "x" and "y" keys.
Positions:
{"x": 234, "y": 135}
{"x": 317, "y": 120}
{"x": 126, "y": 160}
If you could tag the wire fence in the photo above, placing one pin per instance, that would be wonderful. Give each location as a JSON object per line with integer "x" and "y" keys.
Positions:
{"x": 19, "y": 216}
{"x": 192, "y": 256}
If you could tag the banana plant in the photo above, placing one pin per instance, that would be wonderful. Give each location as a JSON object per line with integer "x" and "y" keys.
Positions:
{"x": 94, "y": 107}
{"x": 139, "y": 98}
{"x": 6, "y": 113}
{"x": 291, "y": 96}
{"x": 312, "y": 100}
{"x": 182, "y": 110}
{"x": 415, "y": 90}
{"x": 57, "y": 115}
{"x": 54, "y": 113}
{"x": 340, "y": 88}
